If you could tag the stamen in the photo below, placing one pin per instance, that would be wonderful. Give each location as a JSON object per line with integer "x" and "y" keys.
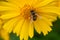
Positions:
{"x": 29, "y": 13}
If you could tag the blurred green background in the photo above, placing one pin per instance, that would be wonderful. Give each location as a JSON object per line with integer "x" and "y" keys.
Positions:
{"x": 53, "y": 35}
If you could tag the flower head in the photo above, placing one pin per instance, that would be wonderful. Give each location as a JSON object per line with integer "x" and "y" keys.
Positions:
{"x": 23, "y": 16}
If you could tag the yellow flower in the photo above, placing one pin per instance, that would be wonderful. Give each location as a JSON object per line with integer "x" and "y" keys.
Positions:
{"x": 23, "y": 16}
{"x": 3, "y": 34}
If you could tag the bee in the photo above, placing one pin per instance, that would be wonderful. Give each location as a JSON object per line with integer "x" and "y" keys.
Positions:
{"x": 33, "y": 13}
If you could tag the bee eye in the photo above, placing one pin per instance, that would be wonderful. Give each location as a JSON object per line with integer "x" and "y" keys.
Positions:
{"x": 32, "y": 12}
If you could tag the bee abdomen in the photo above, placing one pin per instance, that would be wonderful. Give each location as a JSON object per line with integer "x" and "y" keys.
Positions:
{"x": 34, "y": 17}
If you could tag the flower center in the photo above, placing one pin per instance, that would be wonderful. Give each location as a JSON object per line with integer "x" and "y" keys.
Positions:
{"x": 29, "y": 13}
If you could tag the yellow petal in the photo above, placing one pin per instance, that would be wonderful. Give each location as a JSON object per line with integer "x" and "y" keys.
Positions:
{"x": 37, "y": 26}
{"x": 14, "y": 1}
{"x": 31, "y": 2}
{"x": 47, "y": 14}
{"x": 4, "y": 34}
{"x": 58, "y": 3}
{"x": 18, "y": 3}
{"x": 43, "y": 3}
{"x": 1, "y": 22}
{"x": 55, "y": 10}
{"x": 47, "y": 21}
{"x": 24, "y": 31}
{"x": 26, "y": 37}
{"x": 18, "y": 27}
{"x": 51, "y": 18}
{"x": 2, "y": 8}
{"x": 7, "y": 6}
{"x": 9, "y": 15}
{"x": 9, "y": 25}
{"x": 31, "y": 30}
{"x": 45, "y": 27}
